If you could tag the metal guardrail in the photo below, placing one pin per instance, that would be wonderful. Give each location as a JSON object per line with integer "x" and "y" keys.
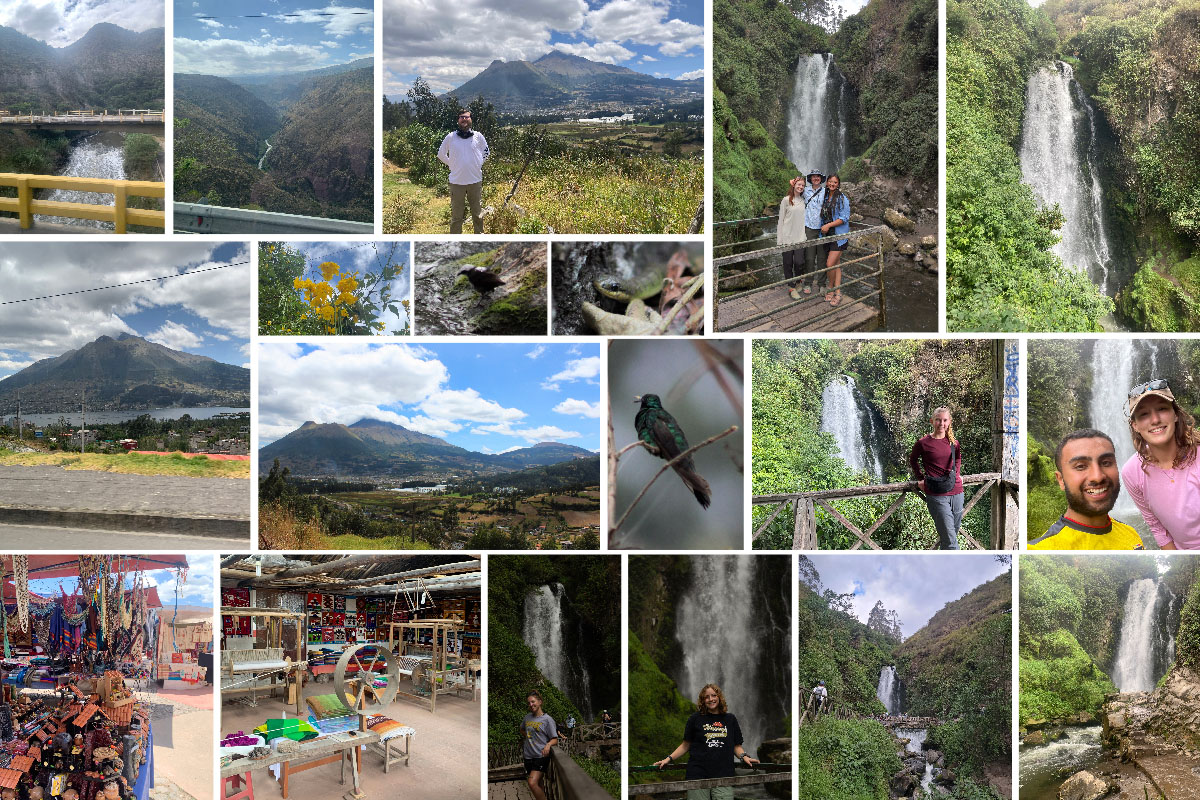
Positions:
{"x": 86, "y": 120}
{"x": 25, "y": 206}
{"x": 804, "y": 536}
{"x": 853, "y": 235}
{"x": 202, "y": 218}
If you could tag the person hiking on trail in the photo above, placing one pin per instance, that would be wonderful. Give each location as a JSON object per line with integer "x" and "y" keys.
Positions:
{"x": 714, "y": 739}
{"x": 790, "y": 230}
{"x": 464, "y": 151}
{"x": 538, "y": 735}
{"x": 835, "y": 219}
{"x": 571, "y": 726}
{"x": 936, "y": 465}
{"x": 607, "y": 719}
{"x": 820, "y": 697}
{"x": 814, "y": 197}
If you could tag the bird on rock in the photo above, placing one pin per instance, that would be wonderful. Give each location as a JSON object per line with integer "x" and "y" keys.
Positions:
{"x": 664, "y": 438}
{"x": 482, "y": 279}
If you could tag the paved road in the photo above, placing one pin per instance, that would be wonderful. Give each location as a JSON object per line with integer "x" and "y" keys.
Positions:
{"x": 50, "y": 496}
{"x": 37, "y": 537}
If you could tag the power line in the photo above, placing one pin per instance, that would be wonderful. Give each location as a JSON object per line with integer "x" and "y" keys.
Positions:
{"x": 130, "y": 283}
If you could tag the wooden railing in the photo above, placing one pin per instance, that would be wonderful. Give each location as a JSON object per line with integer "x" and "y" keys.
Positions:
{"x": 804, "y": 504}
{"x": 868, "y": 240}
{"x": 564, "y": 780}
{"x": 811, "y": 708}
{"x": 24, "y": 205}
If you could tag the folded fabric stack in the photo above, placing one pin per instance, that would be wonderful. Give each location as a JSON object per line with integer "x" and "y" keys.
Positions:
{"x": 334, "y": 724}
{"x": 388, "y": 728}
{"x": 296, "y": 729}
{"x": 324, "y": 706}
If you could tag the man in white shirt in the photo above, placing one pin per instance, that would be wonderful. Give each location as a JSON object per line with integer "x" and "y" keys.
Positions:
{"x": 464, "y": 151}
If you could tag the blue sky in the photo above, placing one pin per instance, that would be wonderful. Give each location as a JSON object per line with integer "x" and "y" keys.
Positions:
{"x": 488, "y": 398}
{"x": 207, "y": 314}
{"x": 197, "y": 590}
{"x": 917, "y": 585}
{"x": 235, "y": 37}
{"x": 364, "y": 257}
{"x": 59, "y": 23}
{"x": 447, "y": 44}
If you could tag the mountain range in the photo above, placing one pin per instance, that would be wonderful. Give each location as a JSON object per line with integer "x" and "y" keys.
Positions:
{"x": 319, "y": 124}
{"x": 375, "y": 447}
{"x": 125, "y": 373}
{"x": 109, "y": 67}
{"x": 558, "y": 79}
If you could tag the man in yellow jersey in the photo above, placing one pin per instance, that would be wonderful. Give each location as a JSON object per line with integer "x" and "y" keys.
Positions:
{"x": 1088, "y": 473}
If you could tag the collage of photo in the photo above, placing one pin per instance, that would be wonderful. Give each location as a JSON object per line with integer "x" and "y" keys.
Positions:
{"x": 594, "y": 399}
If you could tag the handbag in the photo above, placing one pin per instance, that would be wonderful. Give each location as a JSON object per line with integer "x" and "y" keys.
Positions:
{"x": 945, "y": 483}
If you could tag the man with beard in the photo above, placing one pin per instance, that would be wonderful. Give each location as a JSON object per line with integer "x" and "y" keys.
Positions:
{"x": 464, "y": 151}
{"x": 1088, "y": 473}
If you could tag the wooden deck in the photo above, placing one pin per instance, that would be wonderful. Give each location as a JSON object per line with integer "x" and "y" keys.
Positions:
{"x": 796, "y": 318}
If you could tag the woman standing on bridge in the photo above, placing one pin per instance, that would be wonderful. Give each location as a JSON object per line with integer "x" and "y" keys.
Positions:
{"x": 538, "y": 734}
{"x": 936, "y": 464}
{"x": 1163, "y": 474}
{"x": 835, "y": 219}
{"x": 714, "y": 738}
{"x": 790, "y": 230}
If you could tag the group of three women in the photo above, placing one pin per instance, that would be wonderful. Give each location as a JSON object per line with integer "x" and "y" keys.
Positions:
{"x": 814, "y": 207}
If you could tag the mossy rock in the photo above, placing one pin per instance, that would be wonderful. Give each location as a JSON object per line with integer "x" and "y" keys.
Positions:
{"x": 485, "y": 259}
{"x": 522, "y": 311}
{"x": 854, "y": 170}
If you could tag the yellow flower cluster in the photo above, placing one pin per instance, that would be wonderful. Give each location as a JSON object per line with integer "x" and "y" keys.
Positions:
{"x": 330, "y": 304}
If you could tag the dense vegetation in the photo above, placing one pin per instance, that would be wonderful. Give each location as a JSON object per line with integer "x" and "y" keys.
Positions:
{"x": 1137, "y": 61}
{"x": 905, "y": 381}
{"x": 538, "y": 180}
{"x": 321, "y": 146}
{"x": 957, "y": 667}
{"x": 592, "y": 586}
{"x": 1059, "y": 383}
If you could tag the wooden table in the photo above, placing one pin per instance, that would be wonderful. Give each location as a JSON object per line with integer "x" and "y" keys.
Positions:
{"x": 313, "y": 753}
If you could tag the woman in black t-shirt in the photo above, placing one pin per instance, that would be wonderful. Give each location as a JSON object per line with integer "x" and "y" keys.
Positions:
{"x": 714, "y": 739}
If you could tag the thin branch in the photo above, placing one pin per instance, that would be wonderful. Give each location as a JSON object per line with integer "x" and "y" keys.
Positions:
{"x": 714, "y": 358}
{"x": 665, "y": 467}
{"x": 697, "y": 283}
{"x": 628, "y": 447}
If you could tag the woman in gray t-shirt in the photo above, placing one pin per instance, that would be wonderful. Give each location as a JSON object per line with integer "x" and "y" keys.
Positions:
{"x": 538, "y": 734}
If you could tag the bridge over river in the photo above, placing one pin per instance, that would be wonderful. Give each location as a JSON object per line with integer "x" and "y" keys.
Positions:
{"x": 126, "y": 120}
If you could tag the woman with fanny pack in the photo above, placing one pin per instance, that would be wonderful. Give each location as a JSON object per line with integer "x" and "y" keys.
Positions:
{"x": 936, "y": 463}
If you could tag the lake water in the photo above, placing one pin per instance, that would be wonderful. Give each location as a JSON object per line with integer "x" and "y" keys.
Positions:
{"x": 74, "y": 418}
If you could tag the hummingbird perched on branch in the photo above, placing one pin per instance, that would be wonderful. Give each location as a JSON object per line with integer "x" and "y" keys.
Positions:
{"x": 664, "y": 438}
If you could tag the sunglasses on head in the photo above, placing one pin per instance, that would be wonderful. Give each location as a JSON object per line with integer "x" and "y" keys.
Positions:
{"x": 1149, "y": 386}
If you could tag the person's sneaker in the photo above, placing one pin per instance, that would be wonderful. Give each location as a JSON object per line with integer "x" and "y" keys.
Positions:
{"x": 792, "y": 293}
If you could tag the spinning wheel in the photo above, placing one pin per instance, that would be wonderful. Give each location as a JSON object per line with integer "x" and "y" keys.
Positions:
{"x": 355, "y": 698}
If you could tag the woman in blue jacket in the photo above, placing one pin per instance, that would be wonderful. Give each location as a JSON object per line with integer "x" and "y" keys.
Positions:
{"x": 835, "y": 219}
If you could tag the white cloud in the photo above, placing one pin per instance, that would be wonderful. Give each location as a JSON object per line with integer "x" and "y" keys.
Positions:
{"x": 579, "y": 369}
{"x": 59, "y": 23}
{"x": 580, "y": 408}
{"x": 537, "y": 351}
{"x": 689, "y": 76}
{"x": 233, "y": 57}
{"x": 174, "y": 336}
{"x": 467, "y": 404}
{"x": 644, "y": 22}
{"x": 604, "y": 52}
{"x": 335, "y": 20}
{"x": 543, "y": 433}
{"x": 331, "y": 45}
{"x": 212, "y": 23}
{"x": 648, "y": 58}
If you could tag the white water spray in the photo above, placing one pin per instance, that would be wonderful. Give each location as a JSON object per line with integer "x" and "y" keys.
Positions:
{"x": 89, "y": 159}
{"x": 543, "y": 631}
{"x": 1133, "y": 669}
{"x": 847, "y": 417}
{"x": 1059, "y": 160}
{"x": 817, "y": 116}
{"x": 886, "y": 690}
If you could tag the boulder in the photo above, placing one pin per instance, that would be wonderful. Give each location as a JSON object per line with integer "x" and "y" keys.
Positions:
{"x": 907, "y": 248}
{"x": 1034, "y": 738}
{"x": 932, "y": 756}
{"x": 1083, "y": 786}
{"x": 856, "y": 217}
{"x": 890, "y": 239}
{"x": 897, "y": 220}
{"x": 776, "y": 751}
{"x": 919, "y": 257}
{"x": 902, "y": 784}
{"x": 928, "y": 241}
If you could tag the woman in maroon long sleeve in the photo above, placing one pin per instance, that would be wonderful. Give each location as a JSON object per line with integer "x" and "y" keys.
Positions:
{"x": 937, "y": 458}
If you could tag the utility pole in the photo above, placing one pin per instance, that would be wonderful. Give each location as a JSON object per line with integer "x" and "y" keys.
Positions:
{"x": 18, "y": 415}
{"x": 83, "y": 430}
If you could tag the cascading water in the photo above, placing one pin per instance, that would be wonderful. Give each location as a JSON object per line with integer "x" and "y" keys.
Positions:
{"x": 1141, "y": 639}
{"x": 264, "y": 155}
{"x": 545, "y": 631}
{"x": 1060, "y": 159}
{"x": 1043, "y": 766}
{"x": 726, "y": 638}
{"x": 817, "y": 117}
{"x": 1112, "y": 377}
{"x": 886, "y": 690}
{"x": 849, "y": 419}
{"x": 92, "y": 158}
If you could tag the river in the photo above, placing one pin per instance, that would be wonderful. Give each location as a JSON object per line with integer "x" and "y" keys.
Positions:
{"x": 264, "y": 155}
{"x": 101, "y": 155}
{"x": 111, "y": 417}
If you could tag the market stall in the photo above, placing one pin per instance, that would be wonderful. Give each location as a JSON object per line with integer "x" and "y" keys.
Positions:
{"x": 70, "y": 725}
{"x": 325, "y": 627}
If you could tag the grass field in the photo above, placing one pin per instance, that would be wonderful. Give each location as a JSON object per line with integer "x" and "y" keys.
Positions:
{"x": 132, "y": 464}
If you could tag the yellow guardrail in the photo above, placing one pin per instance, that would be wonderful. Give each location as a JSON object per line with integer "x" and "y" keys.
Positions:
{"x": 24, "y": 205}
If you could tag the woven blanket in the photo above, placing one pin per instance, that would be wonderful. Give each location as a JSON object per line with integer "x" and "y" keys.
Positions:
{"x": 324, "y": 706}
{"x": 388, "y": 728}
{"x": 295, "y": 729}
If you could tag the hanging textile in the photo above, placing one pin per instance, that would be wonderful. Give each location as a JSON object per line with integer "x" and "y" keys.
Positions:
{"x": 21, "y": 586}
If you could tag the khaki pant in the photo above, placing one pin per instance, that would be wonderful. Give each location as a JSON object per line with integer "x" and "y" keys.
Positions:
{"x": 461, "y": 193}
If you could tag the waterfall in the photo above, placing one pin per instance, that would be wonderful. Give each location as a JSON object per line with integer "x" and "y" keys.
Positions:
{"x": 546, "y": 631}
{"x": 1153, "y": 347}
{"x": 916, "y": 738}
{"x": 264, "y": 155}
{"x": 1059, "y": 159}
{"x": 727, "y": 638}
{"x": 886, "y": 691}
{"x": 1141, "y": 639}
{"x": 91, "y": 158}
{"x": 849, "y": 419}
{"x": 1112, "y": 377}
{"x": 817, "y": 116}
{"x": 927, "y": 778}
